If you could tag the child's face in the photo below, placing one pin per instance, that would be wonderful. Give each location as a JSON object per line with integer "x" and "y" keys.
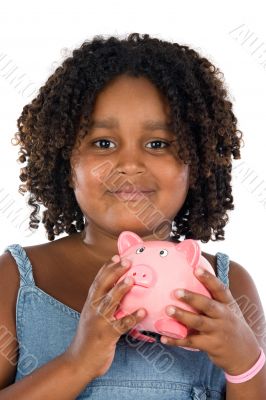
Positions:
{"x": 130, "y": 156}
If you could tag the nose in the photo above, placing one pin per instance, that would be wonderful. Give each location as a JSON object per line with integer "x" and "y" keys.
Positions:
{"x": 130, "y": 161}
{"x": 143, "y": 275}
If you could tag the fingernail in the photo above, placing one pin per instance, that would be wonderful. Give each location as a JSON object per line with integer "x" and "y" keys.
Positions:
{"x": 170, "y": 310}
{"x": 128, "y": 280}
{"x": 125, "y": 263}
{"x": 180, "y": 293}
{"x": 115, "y": 258}
{"x": 199, "y": 271}
{"x": 141, "y": 313}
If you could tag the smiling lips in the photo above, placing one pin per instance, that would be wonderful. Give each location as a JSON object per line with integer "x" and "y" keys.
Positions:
{"x": 133, "y": 194}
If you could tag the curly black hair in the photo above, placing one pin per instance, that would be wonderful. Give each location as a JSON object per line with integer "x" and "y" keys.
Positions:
{"x": 202, "y": 120}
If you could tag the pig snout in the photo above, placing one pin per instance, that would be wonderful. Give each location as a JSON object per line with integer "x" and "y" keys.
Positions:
{"x": 143, "y": 275}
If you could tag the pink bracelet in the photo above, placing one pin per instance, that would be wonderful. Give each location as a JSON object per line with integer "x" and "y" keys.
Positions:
{"x": 246, "y": 376}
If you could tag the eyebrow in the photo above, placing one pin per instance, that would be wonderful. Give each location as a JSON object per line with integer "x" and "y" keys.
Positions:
{"x": 110, "y": 123}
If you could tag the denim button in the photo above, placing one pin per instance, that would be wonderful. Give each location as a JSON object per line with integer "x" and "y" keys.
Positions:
{"x": 198, "y": 393}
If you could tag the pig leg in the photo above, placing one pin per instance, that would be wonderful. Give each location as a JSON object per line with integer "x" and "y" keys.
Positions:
{"x": 170, "y": 327}
{"x": 140, "y": 336}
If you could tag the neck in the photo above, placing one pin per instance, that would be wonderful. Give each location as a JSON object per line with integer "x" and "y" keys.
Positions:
{"x": 103, "y": 244}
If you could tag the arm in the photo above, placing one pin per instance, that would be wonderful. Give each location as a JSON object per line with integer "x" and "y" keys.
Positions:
{"x": 91, "y": 352}
{"x": 254, "y": 389}
{"x": 58, "y": 379}
{"x": 245, "y": 293}
{"x": 226, "y": 328}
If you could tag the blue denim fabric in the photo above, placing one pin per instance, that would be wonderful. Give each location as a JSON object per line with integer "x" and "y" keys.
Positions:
{"x": 140, "y": 370}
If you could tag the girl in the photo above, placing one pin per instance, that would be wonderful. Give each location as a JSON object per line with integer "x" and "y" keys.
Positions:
{"x": 120, "y": 121}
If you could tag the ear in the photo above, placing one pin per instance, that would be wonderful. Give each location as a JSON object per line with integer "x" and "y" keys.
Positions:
{"x": 71, "y": 178}
{"x": 192, "y": 251}
{"x": 127, "y": 239}
{"x": 70, "y": 183}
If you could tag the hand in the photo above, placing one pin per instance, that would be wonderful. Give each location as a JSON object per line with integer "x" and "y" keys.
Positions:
{"x": 220, "y": 329}
{"x": 93, "y": 347}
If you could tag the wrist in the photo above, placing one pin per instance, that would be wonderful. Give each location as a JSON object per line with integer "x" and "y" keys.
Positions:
{"x": 238, "y": 368}
{"x": 77, "y": 368}
{"x": 249, "y": 373}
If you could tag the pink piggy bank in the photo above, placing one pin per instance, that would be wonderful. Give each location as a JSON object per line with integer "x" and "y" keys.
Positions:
{"x": 158, "y": 268}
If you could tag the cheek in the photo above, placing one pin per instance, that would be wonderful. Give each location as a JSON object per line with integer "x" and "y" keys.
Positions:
{"x": 178, "y": 186}
{"x": 80, "y": 177}
{"x": 84, "y": 172}
{"x": 178, "y": 179}
{"x": 184, "y": 176}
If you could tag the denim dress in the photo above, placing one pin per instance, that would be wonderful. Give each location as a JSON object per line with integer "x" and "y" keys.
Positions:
{"x": 140, "y": 370}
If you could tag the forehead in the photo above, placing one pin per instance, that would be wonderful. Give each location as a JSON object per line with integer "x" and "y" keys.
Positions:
{"x": 113, "y": 123}
{"x": 126, "y": 95}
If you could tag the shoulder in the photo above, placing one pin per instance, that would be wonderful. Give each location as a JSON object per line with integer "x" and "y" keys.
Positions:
{"x": 245, "y": 293}
{"x": 9, "y": 289}
{"x": 9, "y": 271}
{"x": 51, "y": 251}
{"x": 9, "y": 277}
{"x": 9, "y": 286}
{"x": 243, "y": 288}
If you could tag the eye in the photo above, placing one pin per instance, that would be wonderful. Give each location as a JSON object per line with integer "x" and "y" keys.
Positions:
{"x": 140, "y": 250}
{"x": 157, "y": 142}
{"x": 163, "y": 253}
{"x": 105, "y": 146}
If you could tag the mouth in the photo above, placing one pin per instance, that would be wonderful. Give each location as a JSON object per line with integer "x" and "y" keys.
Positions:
{"x": 132, "y": 195}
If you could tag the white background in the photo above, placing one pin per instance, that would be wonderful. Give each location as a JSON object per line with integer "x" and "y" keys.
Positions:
{"x": 35, "y": 37}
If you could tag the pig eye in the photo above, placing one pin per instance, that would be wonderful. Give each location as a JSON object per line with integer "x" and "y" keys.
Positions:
{"x": 163, "y": 253}
{"x": 140, "y": 250}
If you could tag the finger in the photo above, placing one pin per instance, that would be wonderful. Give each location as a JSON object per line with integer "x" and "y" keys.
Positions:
{"x": 192, "y": 341}
{"x": 124, "y": 324}
{"x": 108, "y": 277}
{"x": 218, "y": 290}
{"x": 192, "y": 320}
{"x": 110, "y": 302}
{"x": 201, "y": 303}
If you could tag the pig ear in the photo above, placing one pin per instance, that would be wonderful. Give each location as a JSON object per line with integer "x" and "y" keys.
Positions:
{"x": 127, "y": 239}
{"x": 192, "y": 251}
